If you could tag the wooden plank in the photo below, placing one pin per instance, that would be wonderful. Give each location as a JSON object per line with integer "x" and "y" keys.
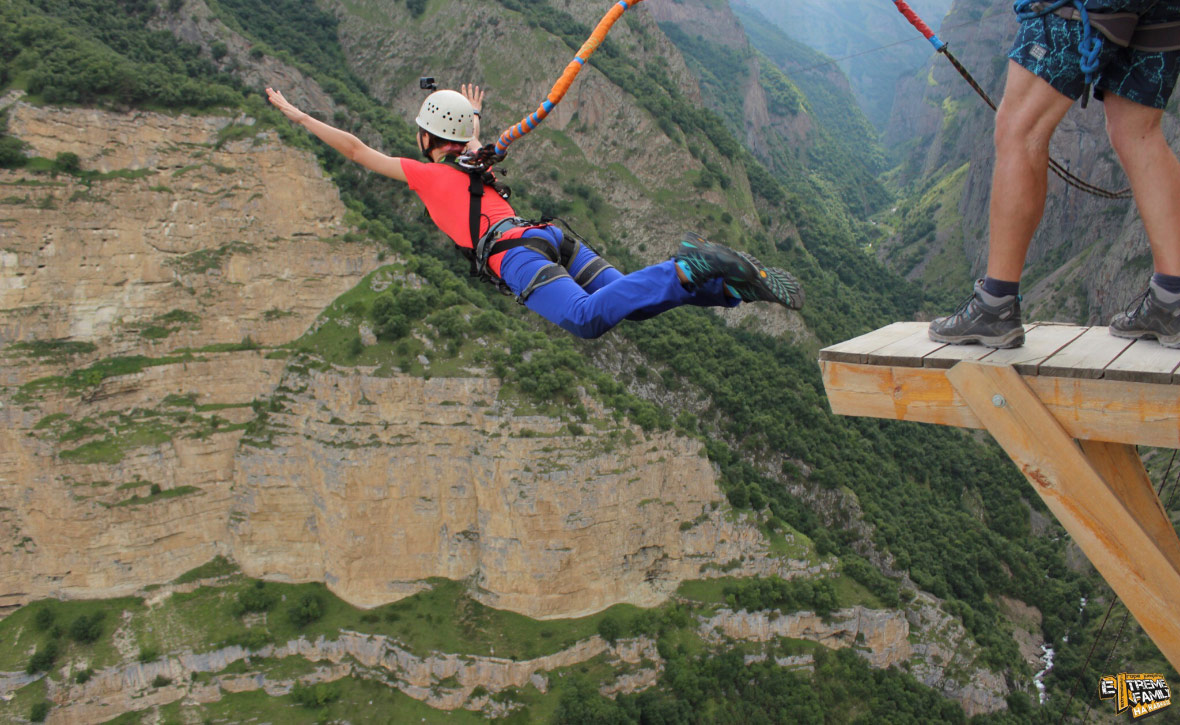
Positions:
{"x": 1118, "y": 412}
{"x": 857, "y": 349}
{"x": 1145, "y": 361}
{"x": 1122, "y": 468}
{"x": 895, "y": 393}
{"x": 908, "y": 351}
{"x": 946, "y": 357}
{"x": 1039, "y": 344}
{"x": 1118, "y": 547}
{"x": 1085, "y": 357}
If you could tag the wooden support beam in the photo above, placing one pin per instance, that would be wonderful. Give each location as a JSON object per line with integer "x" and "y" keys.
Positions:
{"x": 1136, "y": 566}
{"x": 1107, "y": 410}
{"x": 1122, "y": 469}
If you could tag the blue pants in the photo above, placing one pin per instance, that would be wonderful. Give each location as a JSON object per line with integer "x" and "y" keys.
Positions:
{"x": 610, "y": 298}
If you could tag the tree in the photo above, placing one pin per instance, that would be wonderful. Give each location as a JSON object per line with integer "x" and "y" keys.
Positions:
{"x": 87, "y": 628}
{"x": 39, "y": 712}
{"x": 43, "y": 658}
{"x": 308, "y": 609}
{"x": 610, "y": 629}
{"x": 67, "y": 162}
{"x": 389, "y": 322}
{"x": 12, "y": 152}
{"x": 44, "y": 619}
{"x": 255, "y": 599}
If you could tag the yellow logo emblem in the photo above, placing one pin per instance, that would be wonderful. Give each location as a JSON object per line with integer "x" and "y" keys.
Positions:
{"x": 1143, "y": 694}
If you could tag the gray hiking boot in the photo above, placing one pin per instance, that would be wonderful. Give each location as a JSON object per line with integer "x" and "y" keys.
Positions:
{"x": 1153, "y": 314}
{"x": 745, "y": 277}
{"x": 983, "y": 319}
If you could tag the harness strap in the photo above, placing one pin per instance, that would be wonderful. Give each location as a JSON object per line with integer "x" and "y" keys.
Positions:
{"x": 475, "y": 187}
{"x": 1157, "y": 38}
{"x": 537, "y": 245}
{"x": 545, "y": 275}
{"x": 1122, "y": 29}
{"x": 1118, "y": 28}
{"x": 590, "y": 272}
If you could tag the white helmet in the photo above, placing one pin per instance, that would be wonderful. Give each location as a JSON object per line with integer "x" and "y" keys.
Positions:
{"x": 448, "y": 115}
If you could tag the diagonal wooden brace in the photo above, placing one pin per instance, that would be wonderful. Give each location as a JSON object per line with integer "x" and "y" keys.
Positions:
{"x": 1120, "y": 527}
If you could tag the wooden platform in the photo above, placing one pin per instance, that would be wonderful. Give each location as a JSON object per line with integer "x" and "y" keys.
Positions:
{"x": 1099, "y": 387}
{"x": 1069, "y": 407}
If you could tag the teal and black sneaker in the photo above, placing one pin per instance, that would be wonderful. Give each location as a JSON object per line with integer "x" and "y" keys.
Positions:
{"x": 769, "y": 284}
{"x": 745, "y": 277}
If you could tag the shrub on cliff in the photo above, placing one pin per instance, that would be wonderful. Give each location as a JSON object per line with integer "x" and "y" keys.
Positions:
{"x": 87, "y": 628}
{"x": 610, "y": 629}
{"x": 12, "y": 152}
{"x": 308, "y": 609}
{"x": 44, "y": 619}
{"x": 256, "y": 599}
{"x": 43, "y": 658}
{"x": 39, "y": 712}
{"x": 317, "y": 695}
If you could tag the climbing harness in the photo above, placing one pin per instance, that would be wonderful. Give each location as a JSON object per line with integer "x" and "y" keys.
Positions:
{"x": 1055, "y": 166}
{"x": 491, "y": 153}
{"x": 485, "y": 246}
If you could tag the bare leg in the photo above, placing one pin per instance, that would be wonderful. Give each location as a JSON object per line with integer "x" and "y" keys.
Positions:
{"x": 1154, "y": 171}
{"x": 1025, "y": 121}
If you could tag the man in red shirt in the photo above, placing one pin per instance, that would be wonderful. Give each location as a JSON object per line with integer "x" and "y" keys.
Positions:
{"x": 586, "y": 295}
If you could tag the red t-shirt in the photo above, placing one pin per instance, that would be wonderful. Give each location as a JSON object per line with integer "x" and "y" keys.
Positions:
{"x": 445, "y": 192}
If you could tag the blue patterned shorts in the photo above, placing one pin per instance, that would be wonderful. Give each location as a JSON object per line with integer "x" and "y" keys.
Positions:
{"x": 1048, "y": 47}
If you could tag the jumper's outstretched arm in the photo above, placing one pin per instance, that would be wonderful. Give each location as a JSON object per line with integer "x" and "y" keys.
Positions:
{"x": 351, "y": 146}
{"x": 474, "y": 94}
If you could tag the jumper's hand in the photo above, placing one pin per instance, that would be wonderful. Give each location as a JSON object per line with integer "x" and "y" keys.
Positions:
{"x": 474, "y": 94}
{"x": 288, "y": 110}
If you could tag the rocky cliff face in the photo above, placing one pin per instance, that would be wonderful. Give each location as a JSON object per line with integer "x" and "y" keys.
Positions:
{"x": 881, "y": 636}
{"x": 128, "y": 390}
{"x": 235, "y": 238}
{"x": 767, "y": 135}
{"x": 413, "y": 479}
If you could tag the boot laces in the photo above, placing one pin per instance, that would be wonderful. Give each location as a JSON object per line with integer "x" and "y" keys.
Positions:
{"x": 1138, "y": 305}
{"x": 961, "y": 311}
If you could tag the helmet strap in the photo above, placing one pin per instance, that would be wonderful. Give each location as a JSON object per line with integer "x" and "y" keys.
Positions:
{"x": 424, "y": 147}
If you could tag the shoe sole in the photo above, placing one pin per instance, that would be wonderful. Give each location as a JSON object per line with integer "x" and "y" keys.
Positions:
{"x": 692, "y": 248}
{"x": 1002, "y": 342}
{"x": 1169, "y": 341}
{"x": 776, "y": 285}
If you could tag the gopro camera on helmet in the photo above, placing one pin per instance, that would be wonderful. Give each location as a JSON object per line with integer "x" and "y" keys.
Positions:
{"x": 427, "y": 83}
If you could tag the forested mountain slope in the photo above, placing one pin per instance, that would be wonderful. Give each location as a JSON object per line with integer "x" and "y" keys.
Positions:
{"x": 872, "y": 43}
{"x": 308, "y": 391}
